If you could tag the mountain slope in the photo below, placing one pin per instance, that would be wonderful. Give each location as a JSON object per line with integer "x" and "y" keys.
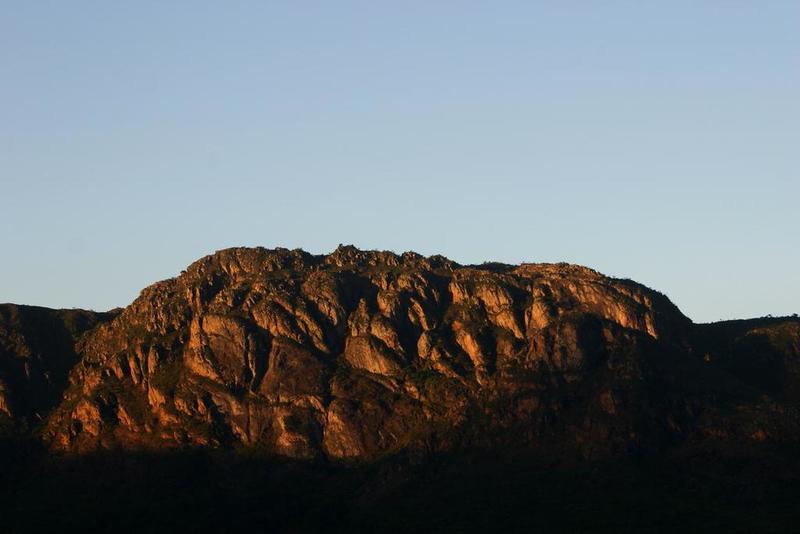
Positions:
{"x": 370, "y": 391}
{"x": 36, "y": 354}
{"x": 360, "y": 354}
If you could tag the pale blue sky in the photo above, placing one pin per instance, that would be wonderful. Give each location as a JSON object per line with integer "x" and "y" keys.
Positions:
{"x": 652, "y": 140}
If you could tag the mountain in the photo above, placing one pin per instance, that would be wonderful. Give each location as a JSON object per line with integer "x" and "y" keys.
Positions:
{"x": 37, "y": 352}
{"x": 364, "y": 358}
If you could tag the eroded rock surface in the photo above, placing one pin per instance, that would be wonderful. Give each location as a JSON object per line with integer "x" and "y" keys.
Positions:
{"x": 359, "y": 354}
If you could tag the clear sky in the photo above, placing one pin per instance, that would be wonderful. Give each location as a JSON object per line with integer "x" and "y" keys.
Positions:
{"x": 658, "y": 141}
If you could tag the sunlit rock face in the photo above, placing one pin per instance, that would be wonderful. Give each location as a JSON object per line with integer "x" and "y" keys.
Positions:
{"x": 359, "y": 354}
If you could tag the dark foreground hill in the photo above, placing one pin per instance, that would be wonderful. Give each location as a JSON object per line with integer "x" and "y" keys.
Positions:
{"x": 281, "y": 391}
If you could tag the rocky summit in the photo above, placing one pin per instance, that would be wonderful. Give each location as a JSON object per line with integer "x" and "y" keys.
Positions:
{"x": 357, "y": 357}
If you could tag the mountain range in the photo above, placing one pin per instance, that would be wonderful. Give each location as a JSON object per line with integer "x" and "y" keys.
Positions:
{"x": 334, "y": 366}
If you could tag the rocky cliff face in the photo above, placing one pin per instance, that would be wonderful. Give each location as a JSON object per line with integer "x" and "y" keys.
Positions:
{"x": 361, "y": 354}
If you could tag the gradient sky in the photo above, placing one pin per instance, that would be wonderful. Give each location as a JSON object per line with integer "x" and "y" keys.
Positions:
{"x": 653, "y": 142}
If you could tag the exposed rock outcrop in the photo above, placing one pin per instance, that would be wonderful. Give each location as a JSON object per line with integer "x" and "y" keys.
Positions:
{"x": 359, "y": 354}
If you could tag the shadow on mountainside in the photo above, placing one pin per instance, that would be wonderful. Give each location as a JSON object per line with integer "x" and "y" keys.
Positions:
{"x": 736, "y": 490}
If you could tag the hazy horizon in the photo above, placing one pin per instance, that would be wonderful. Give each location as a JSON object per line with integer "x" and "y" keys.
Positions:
{"x": 657, "y": 143}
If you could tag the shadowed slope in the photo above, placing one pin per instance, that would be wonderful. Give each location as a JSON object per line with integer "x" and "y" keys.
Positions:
{"x": 37, "y": 351}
